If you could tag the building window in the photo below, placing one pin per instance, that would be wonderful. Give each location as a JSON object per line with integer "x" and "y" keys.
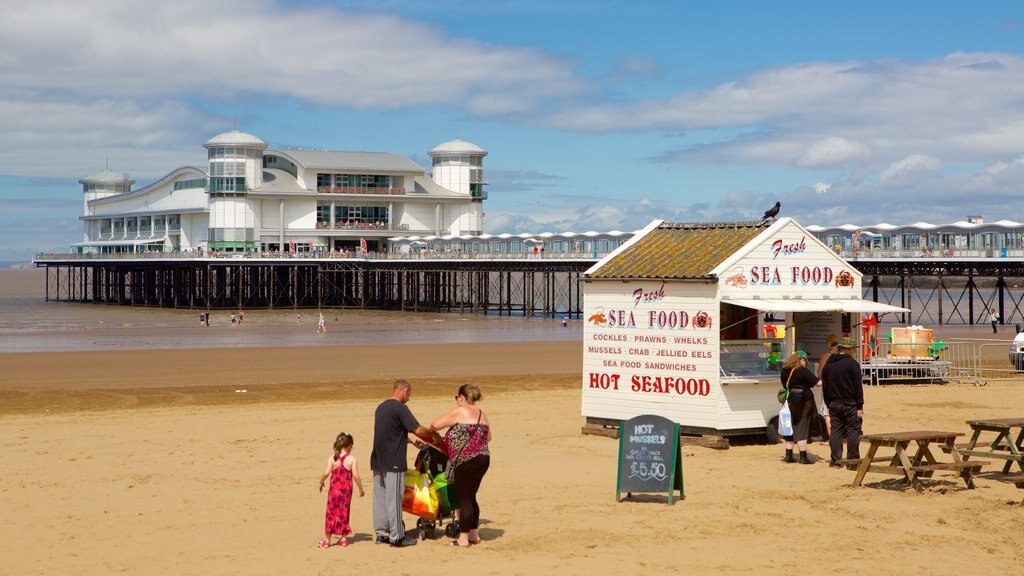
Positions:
{"x": 362, "y": 214}
{"x": 227, "y": 185}
{"x": 323, "y": 214}
{"x": 190, "y": 184}
{"x": 227, "y": 168}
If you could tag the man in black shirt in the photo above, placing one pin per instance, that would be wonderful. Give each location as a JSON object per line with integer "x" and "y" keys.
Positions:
{"x": 844, "y": 396}
{"x": 394, "y": 427}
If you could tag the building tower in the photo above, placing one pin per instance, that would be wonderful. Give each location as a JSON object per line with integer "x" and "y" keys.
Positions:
{"x": 103, "y": 185}
{"x": 459, "y": 166}
{"x": 236, "y": 166}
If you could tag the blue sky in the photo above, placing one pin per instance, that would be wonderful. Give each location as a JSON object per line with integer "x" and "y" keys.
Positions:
{"x": 597, "y": 114}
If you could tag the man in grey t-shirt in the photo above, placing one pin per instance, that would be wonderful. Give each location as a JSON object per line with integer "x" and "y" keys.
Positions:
{"x": 394, "y": 427}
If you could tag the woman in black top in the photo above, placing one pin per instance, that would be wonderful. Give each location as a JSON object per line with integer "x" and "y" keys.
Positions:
{"x": 799, "y": 380}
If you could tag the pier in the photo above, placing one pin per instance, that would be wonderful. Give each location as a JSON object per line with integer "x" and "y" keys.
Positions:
{"x": 531, "y": 287}
{"x": 938, "y": 291}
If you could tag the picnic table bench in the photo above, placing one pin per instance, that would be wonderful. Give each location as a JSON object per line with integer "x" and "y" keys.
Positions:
{"x": 1004, "y": 446}
{"x": 920, "y": 464}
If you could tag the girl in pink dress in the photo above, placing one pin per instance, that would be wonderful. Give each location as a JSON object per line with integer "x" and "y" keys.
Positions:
{"x": 343, "y": 470}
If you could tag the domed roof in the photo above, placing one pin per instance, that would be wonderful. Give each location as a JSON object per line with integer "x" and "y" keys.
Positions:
{"x": 236, "y": 138}
{"x": 457, "y": 146}
{"x": 107, "y": 177}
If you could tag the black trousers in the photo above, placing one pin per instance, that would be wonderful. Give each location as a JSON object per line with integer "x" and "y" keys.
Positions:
{"x": 844, "y": 421}
{"x": 804, "y": 411}
{"x": 467, "y": 482}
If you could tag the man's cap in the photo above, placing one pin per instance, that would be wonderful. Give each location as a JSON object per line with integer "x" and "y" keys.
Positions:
{"x": 847, "y": 342}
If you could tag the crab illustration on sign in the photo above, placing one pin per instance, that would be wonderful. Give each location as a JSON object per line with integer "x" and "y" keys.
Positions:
{"x": 739, "y": 279}
{"x": 598, "y": 318}
{"x": 844, "y": 279}
{"x": 702, "y": 320}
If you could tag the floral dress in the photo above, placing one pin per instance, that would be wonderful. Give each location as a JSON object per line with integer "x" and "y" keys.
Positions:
{"x": 339, "y": 500}
{"x": 466, "y": 441}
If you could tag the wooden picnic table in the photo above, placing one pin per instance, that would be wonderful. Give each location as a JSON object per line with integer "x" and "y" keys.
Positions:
{"x": 1004, "y": 447}
{"x": 920, "y": 464}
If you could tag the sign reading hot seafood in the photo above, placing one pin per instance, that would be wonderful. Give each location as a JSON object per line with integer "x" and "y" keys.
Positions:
{"x": 653, "y": 344}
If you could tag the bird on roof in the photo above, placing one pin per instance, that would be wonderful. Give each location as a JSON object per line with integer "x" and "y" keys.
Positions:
{"x": 772, "y": 212}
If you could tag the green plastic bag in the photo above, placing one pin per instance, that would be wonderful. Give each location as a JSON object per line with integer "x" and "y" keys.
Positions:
{"x": 445, "y": 494}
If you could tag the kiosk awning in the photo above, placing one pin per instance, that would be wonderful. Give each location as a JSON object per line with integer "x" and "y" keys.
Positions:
{"x": 797, "y": 305}
{"x": 869, "y": 306}
{"x": 785, "y": 305}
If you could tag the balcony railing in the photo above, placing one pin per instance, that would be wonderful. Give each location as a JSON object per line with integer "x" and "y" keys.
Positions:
{"x": 945, "y": 253}
{"x": 359, "y": 190}
{"x": 361, "y": 226}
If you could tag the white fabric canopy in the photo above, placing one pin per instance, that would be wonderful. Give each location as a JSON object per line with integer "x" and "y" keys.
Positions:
{"x": 798, "y": 305}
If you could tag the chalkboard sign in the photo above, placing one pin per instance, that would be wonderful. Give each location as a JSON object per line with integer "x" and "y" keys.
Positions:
{"x": 650, "y": 458}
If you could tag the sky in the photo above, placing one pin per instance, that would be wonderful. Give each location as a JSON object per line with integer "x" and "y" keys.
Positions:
{"x": 596, "y": 114}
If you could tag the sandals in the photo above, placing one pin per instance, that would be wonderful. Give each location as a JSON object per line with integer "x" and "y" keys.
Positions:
{"x": 343, "y": 542}
{"x": 323, "y": 544}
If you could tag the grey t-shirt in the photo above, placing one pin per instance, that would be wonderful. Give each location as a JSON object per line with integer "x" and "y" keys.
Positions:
{"x": 392, "y": 423}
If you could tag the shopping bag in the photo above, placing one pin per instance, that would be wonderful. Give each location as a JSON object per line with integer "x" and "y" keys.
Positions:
{"x": 445, "y": 494}
{"x": 785, "y": 420}
{"x": 420, "y": 495}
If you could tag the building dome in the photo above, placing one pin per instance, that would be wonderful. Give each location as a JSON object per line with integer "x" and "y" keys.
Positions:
{"x": 235, "y": 138}
{"x": 107, "y": 177}
{"x": 455, "y": 147}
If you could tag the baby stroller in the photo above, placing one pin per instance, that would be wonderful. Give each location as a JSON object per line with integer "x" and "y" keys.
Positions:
{"x": 432, "y": 462}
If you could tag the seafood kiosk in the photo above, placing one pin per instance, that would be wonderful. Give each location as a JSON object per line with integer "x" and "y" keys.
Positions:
{"x": 693, "y": 322}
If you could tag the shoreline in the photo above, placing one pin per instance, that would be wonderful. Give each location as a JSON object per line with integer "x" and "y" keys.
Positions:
{"x": 101, "y": 380}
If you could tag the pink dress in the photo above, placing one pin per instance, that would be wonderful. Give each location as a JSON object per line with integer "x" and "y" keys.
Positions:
{"x": 339, "y": 500}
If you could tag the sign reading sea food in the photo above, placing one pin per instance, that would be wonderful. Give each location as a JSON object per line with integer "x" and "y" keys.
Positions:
{"x": 787, "y": 264}
{"x": 645, "y": 342}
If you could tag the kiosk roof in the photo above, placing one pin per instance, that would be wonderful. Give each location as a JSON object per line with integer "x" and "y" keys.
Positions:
{"x": 680, "y": 251}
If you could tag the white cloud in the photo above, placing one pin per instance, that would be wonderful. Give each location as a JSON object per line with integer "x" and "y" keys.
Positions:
{"x": 963, "y": 108}
{"x": 230, "y": 48}
{"x": 832, "y": 152}
{"x": 910, "y": 171}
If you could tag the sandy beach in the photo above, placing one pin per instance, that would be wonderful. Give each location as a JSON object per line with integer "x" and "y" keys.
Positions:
{"x": 150, "y": 462}
{"x": 153, "y": 461}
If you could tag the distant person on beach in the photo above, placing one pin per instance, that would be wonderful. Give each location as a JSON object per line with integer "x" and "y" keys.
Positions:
{"x": 394, "y": 427}
{"x": 832, "y": 344}
{"x": 202, "y": 319}
{"x": 241, "y": 315}
{"x": 800, "y": 381}
{"x": 844, "y": 395}
{"x": 298, "y": 318}
{"x": 343, "y": 470}
{"x": 321, "y": 325}
{"x": 234, "y": 320}
{"x": 993, "y": 317}
{"x": 466, "y": 440}
{"x": 565, "y": 321}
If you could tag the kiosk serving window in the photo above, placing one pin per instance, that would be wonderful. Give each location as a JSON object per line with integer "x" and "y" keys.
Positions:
{"x": 746, "y": 349}
{"x": 754, "y": 359}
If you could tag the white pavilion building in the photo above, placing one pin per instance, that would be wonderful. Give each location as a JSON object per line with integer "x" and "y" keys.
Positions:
{"x": 251, "y": 198}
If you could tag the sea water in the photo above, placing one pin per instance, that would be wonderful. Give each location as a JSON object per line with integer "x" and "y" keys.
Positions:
{"x": 28, "y": 323}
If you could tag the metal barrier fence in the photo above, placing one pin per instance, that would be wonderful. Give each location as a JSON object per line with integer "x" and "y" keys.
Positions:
{"x": 998, "y": 359}
{"x": 923, "y": 362}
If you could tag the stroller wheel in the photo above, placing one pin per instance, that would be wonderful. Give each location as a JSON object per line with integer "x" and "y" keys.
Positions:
{"x": 452, "y": 529}
{"x": 426, "y": 529}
